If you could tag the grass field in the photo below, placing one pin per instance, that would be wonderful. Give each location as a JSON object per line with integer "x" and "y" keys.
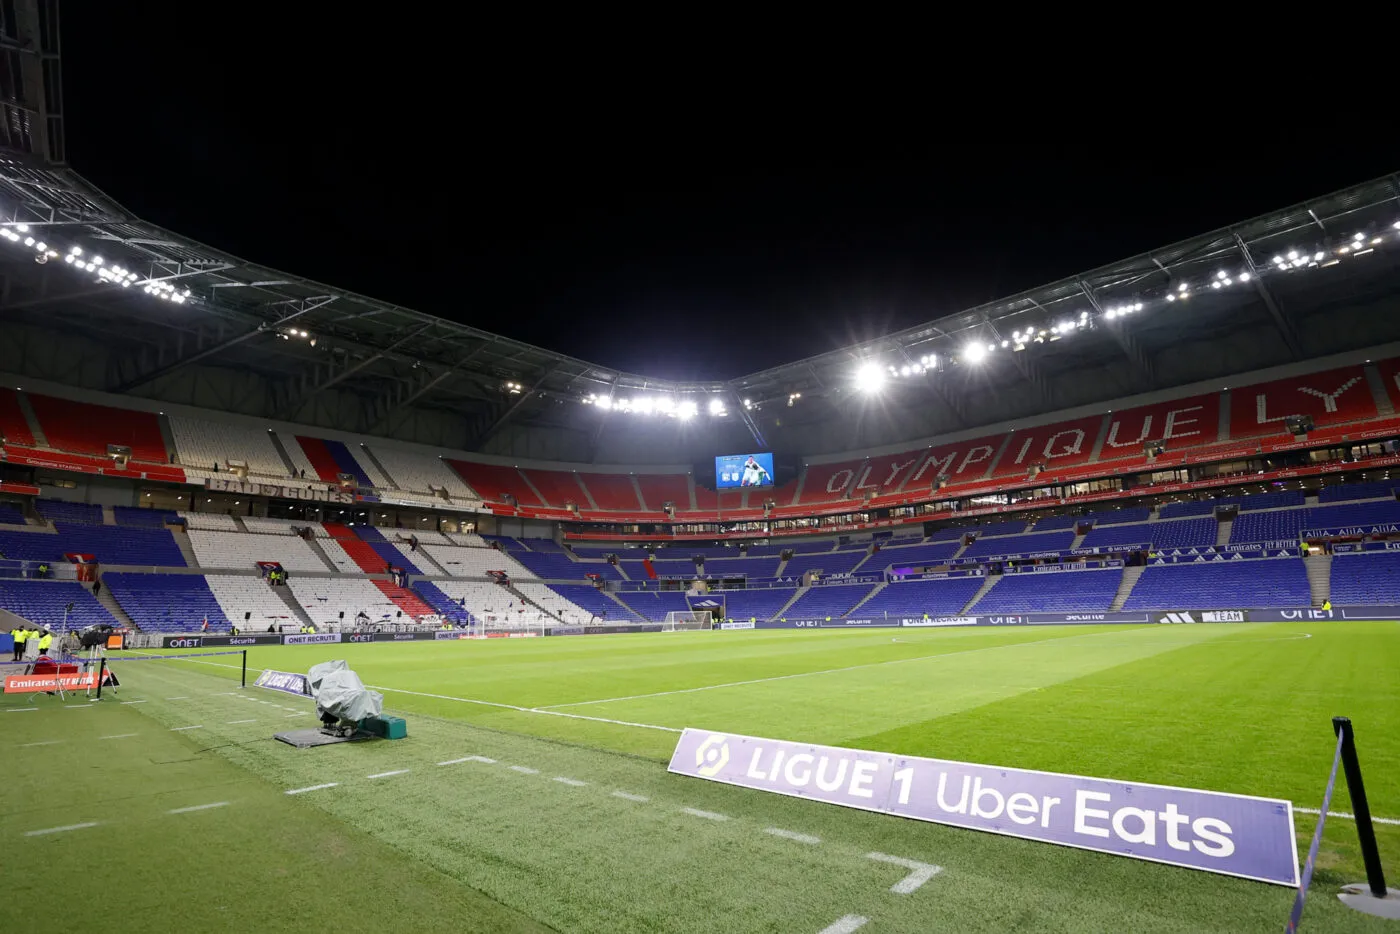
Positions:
{"x": 532, "y": 792}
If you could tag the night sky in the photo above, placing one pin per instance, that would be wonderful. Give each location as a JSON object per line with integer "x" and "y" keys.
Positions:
{"x": 677, "y": 230}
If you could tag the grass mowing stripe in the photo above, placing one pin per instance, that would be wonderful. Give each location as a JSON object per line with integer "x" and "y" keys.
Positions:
{"x": 63, "y": 829}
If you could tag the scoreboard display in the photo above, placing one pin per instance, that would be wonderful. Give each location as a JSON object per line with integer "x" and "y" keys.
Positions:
{"x": 742, "y": 470}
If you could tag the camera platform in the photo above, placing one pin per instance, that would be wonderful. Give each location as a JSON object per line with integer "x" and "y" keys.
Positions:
{"x": 309, "y": 739}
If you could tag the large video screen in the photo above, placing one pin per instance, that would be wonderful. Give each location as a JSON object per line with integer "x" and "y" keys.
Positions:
{"x": 734, "y": 470}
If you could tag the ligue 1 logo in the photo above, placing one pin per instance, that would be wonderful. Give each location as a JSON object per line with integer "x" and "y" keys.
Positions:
{"x": 711, "y": 756}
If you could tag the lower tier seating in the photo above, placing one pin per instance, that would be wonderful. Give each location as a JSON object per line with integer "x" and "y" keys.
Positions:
{"x": 43, "y": 602}
{"x": 1268, "y": 582}
{"x": 915, "y": 598}
{"x": 167, "y": 602}
{"x": 1065, "y": 591}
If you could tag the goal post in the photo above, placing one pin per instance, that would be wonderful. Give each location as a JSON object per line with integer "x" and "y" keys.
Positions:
{"x": 682, "y": 620}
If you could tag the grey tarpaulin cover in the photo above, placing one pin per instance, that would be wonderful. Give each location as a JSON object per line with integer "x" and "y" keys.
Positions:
{"x": 339, "y": 692}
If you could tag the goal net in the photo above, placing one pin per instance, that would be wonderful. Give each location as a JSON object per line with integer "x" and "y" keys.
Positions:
{"x": 680, "y": 620}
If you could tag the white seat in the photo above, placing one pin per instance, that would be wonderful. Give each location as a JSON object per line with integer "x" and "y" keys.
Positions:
{"x": 242, "y": 550}
{"x": 417, "y": 472}
{"x": 475, "y": 562}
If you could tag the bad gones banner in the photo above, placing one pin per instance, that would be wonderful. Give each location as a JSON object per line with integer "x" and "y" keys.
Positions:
{"x": 1235, "y": 835}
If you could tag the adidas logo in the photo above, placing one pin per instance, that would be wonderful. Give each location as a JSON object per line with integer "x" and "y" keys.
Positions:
{"x": 1177, "y": 618}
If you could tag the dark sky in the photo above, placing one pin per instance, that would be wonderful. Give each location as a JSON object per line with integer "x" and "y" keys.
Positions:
{"x": 680, "y": 229}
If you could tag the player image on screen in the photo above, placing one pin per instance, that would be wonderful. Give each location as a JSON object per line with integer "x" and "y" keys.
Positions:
{"x": 754, "y": 474}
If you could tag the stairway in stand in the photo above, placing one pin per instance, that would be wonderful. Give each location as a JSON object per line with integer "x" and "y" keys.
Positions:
{"x": 370, "y": 562}
{"x": 406, "y": 600}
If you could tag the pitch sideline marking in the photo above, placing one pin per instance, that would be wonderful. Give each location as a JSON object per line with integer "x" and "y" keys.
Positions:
{"x": 198, "y": 807}
{"x": 177, "y": 729}
{"x": 1347, "y": 815}
{"x": 569, "y": 781}
{"x": 119, "y": 736}
{"x": 388, "y": 774}
{"x": 708, "y": 815}
{"x": 847, "y": 924}
{"x": 628, "y": 796}
{"x": 793, "y": 835}
{"x": 298, "y": 791}
{"x": 46, "y": 742}
{"x": 918, "y": 875}
{"x": 21, "y": 709}
{"x": 64, "y": 829}
{"x": 243, "y": 721}
{"x": 524, "y": 770}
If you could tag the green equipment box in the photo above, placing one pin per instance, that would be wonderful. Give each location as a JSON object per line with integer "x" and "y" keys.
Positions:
{"x": 385, "y": 727}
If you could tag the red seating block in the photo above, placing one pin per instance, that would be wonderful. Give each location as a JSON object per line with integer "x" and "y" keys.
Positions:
{"x": 494, "y": 480}
{"x": 1331, "y": 398}
{"x": 13, "y": 426}
{"x": 610, "y": 491}
{"x": 87, "y": 429}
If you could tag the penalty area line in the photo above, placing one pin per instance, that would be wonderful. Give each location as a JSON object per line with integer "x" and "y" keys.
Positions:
{"x": 1347, "y": 815}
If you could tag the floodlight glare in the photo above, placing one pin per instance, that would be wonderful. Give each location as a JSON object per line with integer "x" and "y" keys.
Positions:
{"x": 687, "y": 409}
{"x": 643, "y": 405}
{"x": 604, "y": 402}
{"x": 869, "y": 378}
{"x": 716, "y": 406}
{"x": 974, "y": 352}
{"x": 665, "y": 405}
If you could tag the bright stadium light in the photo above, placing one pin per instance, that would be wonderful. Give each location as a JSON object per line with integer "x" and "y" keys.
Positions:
{"x": 974, "y": 352}
{"x": 687, "y": 410}
{"x": 870, "y": 377}
{"x": 643, "y": 405}
{"x": 604, "y": 402}
{"x": 665, "y": 405}
{"x": 717, "y": 406}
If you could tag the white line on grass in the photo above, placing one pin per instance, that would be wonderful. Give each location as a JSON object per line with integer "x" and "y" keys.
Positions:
{"x": 1346, "y": 815}
{"x": 462, "y": 700}
{"x": 179, "y": 697}
{"x": 708, "y": 815}
{"x": 569, "y": 781}
{"x": 845, "y": 925}
{"x": 387, "y": 774}
{"x": 119, "y": 736}
{"x": 541, "y": 710}
{"x": 287, "y": 715}
{"x": 918, "y": 875}
{"x": 177, "y": 729}
{"x": 802, "y": 674}
{"x": 21, "y": 709}
{"x": 77, "y": 706}
{"x": 793, "y": 835}
{"x": 469, "y": 759}
{"x": 198, "y": 807}
{"x": 524, "y": 770}
{"x": 301, "y": 791}
{"x": 64, "y": 829}
{"x": 243, "y": 721}
{"x": 125, "y": 702}
{"x": 628, "y": 796}
{"x": 46, "y": 742}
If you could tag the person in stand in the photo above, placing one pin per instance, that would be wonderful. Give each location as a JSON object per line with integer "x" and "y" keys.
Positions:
{"x": 204, "y": 628}
{"x": 19, "y": 634}
{"x": 96, "y": 587}
{"x": 45, "y": 641}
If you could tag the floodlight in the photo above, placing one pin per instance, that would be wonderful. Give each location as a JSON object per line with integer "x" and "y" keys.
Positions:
{"x": 974, "y": 353}
{"x": 604, "y": 402}
{"x": 904, "y": 371}
{"x": 665, "y": 405}
{"x": 869, "y": 378}
{"x": 716, "y": 406}
{"x": 687, "y": 409}
{"x": 643, "y": 405}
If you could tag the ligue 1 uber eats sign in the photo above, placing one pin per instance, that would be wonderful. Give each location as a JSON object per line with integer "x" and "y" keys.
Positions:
{"x": 1236, "y": 835}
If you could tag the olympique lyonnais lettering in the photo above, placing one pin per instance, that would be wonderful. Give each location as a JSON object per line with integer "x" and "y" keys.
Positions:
{"x": 1234, "y": 835}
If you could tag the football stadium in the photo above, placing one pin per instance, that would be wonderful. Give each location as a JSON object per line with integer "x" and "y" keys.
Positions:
{"x": 1075, "y": 611}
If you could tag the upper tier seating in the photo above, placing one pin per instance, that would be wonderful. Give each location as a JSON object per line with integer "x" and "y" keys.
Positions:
{"x": 476, "y": 562}
{"x": 43, "y": 602}
{"x": 326, "y": 598}
{"x": 760, "y": 603}
{"x": 469, "y": 539}
{"x": 84, "y": 428}
{"x": 556, "y": 566}
{"x": 1058, "y": 523}
{"x": 829, "y": 563}
{"x": 685, "y": 569}
{"x": 1116, "y": 517}
{"x": 1010, "y": 527}
{"x": 556, "y": 604}
{"x": 1281, "y": 526}
{"x": 167, "y": 602}
{"x": 658, "y": 489}
{"x": 913, "y": 599}
{"x": 11, "y": 515}
{"x": 243, "y": 594}
{"x": 1064, "y": 591}
{"x": 57, "y": 510}
{"x": 1176, "y": 533}
{"x": 557, "y": 487}
{"x": 413, "y": 471}
{"x": 449, "y": 609}
{"x": 202, "y": 444}
{"x": 1368, "y": 579}
{"x": 239, "y": 550}
{"x": 1252, "y": 503}
{"x": 611, "y": 491}
{"x": 594, "y": 601}
{"x": 495, "y": 481}
{"x": 335, "y": 552}
{"x": 327, "y": 460}
{"x": 834, "y": 600}
{"x": 505, "y": 542}
{"x": 1222, "y": 585}
{"x": 654, "y": 605}
{"x": 14, "y": 427}
{"x": 1019, "y": 544}
{"x": 1288, "y": 524}
{"x": 265, "y": 526}
{"x": 751, "y": 567}
{"x": 145, "y": 518}
{"x": 209, "y": 520}
{"x": 1383, "y": 512}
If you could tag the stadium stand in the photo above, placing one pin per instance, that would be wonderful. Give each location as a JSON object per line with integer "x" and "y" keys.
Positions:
{"x": 1019, "y": 544}
{"x": 653, "y": 605}
{"x": 145, "y": 518}
{"x": 493, "y": 604}
{"x": 557, "y": 487}
{"x": 167, "y": 602}
{"x": 43, "y": 603}
{"x": 10, "y": 515}
{"x": 448, "y": 608}
{"x": 750, "y": 567}
{"x": 1347, "y": 492}
{"x": 1333, "y": 397}
{"x": 325, "y": 599}
{"x": 593, "y": 601}
{"x": 832, "y": 562}
{"x": 115, "y": 544}
{"x": 1259, "y": 583}
{"x": 1064, "y": 591}
{"x": 827, "y": 483}
{"x": 915, "y": 598}
{"x": 239, "y": 550}
{"x": 495, "y": 483}
{"x": 57, "y": 510}
{"x": 1366, "y": 579}
{"x": 1116, "y": 517}
{"x": 476, "y": 562}
{"x": 243, "y": 594}
{"x": 14, "y": 427}
{"x": 209, "y": 520}
{"x": 661, "y": 488}
{"x": 1276, "y": 526}
{"x": 611, "y": 491}
{"x": 1060, "y": 523}
{"x": 1176, "y": 533}
{"x": 265, "y": 526}
{"x": 419, "y": 472}
{"x": 1064, "y": 444}
{"x": 551, "y": 566}
{"x": 761, "y": 603}
{"x": 327, "y": 460}
{"x": 200, "y": 445}
{"x": 556, "y": 604}
{"x": 834, "y": 601}
{"x": 468, "y": 539}
{"x": 913, "y": 555}
{"x": 31, "y": 546}
{"x": 1353, "y": 514}
{"x": 84, "y": 428}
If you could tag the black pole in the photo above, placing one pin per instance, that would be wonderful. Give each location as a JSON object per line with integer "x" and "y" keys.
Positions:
{"x": 1369, "y": 852}
{"x": 101, "y": 671}
{"x": 243, "y": 681}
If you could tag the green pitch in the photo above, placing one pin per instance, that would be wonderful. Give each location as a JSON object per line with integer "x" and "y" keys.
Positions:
{"x": 532, "y": 794}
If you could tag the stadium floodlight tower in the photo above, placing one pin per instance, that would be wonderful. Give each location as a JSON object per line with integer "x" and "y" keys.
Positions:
{"x": 870, "y": 378}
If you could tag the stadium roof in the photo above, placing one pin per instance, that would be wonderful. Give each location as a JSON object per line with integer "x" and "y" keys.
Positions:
{"x": 181, "y": 304}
